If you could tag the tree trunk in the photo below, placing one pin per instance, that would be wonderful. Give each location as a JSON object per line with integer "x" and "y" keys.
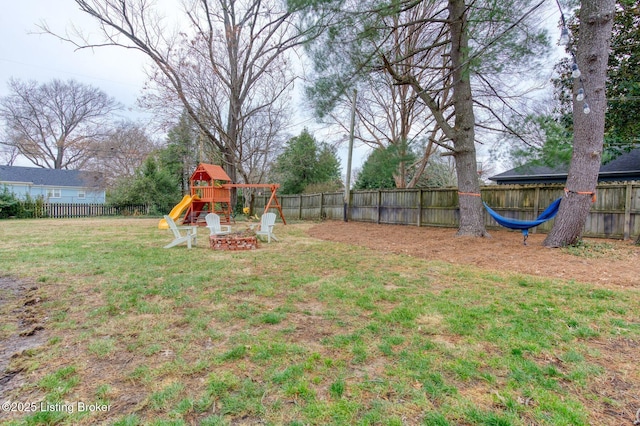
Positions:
{"x": 471, "y": 210}
{"x": 57, "y": 164}
{"x": 596, "y": 22}
{"x": 252, "y": 203}
{"x": 229, "y": 164}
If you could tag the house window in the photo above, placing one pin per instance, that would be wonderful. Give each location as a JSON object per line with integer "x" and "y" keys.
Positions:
{"x": 82, "y": 195}
{"x": 54, "y": 193}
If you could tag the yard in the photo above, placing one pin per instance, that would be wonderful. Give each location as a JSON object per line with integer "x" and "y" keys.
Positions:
{"x": 338, "y": 323}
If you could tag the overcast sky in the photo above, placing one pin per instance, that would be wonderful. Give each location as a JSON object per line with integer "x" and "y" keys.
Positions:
{"x": 27, "y": 55}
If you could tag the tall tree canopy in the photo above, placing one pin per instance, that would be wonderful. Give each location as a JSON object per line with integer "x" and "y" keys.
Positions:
{"x": 306, "y": 164}
{"x": 549, "y": 132}
{"x": 225, "y": 63}
{"x": 381, "y": 166}
{"x": 379, "y": 169}
{"x": 389, "y": 115}
{"x": 184, "y": 151}
{"x": 152, "y": 184}
{"x": 454, "y": 70}
{"x": 622, "y": 119}
{"x": 57, "y": 124}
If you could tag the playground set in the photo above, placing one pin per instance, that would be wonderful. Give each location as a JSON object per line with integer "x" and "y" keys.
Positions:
{"x": 210, "y": 192}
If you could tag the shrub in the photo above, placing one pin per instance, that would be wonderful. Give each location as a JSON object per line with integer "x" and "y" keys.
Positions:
{"x": 13, "y": 207}
{"x": 10, "y": 205}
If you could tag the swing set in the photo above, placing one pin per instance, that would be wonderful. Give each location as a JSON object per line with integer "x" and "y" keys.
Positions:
{"x": 210, "y": 192}
{"x": 273, "y": 199}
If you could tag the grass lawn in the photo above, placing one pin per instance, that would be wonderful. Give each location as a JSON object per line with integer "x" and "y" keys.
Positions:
{"x": 300, "y": 332}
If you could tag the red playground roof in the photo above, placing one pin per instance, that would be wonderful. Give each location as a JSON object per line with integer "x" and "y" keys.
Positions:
{"x": 210, "y": 172}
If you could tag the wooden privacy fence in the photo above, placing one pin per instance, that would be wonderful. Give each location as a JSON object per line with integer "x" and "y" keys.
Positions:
{"x": 615, "y": 214}
{"x": 70, "y": 210}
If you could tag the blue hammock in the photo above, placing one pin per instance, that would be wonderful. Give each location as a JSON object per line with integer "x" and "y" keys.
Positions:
{"x": 524, "y": 225}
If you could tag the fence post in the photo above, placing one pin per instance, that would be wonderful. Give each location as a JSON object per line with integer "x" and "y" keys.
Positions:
{"x": 300, "y": 207}
{"x": 627, "y": 212}
{"x": 536, "y": 206}
{"x": 420, "y": 207}
{"x": 378, "y": 203}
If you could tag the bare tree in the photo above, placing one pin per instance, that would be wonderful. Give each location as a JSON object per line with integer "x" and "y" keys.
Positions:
{"x": 121, "y": 152}
{"x": 8, "y": 153}
{"x": 263, "y": 136}
{"x": 455, "y": 115}
{"x": 390, "y": 114}
{"x": 592, "y": 53}
{"x": 478, "y": 39}
{"x": 228, "y": 62}
{"x": 457, "y": 40}
{"x": 54, "y": 125}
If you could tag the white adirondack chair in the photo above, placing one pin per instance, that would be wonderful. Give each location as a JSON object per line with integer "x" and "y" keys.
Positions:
{"x": 213, "y": 223}
{"x": 267, "y": 222}
{"x": 189, "y": 237}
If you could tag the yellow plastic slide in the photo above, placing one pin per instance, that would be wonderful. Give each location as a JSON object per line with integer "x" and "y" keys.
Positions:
{"x": 177, "y": 211}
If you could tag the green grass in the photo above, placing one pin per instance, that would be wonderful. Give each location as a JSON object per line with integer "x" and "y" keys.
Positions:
{"x": 590, "y": 249}
{"x": 59, "y": 383}
{"x": 305, "y": 332}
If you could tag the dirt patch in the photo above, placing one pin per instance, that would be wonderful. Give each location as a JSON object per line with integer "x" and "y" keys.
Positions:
{"x": 24, "y": 329}
{"x": 618, "y": 266}
{"x": 618, "y": 388}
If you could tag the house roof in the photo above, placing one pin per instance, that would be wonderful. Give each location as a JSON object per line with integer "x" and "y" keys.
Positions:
{"x": 48, "y": 177}
{"x": 210, "y": 171}
{"x": 623, "y": 167}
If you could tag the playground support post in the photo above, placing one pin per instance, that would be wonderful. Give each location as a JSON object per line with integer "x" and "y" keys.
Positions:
{"x": 272, "y": 200}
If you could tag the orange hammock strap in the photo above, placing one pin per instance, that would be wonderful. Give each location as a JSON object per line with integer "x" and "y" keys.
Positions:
{"x": 567, "y": 191}
{"x": 472, "y": 194}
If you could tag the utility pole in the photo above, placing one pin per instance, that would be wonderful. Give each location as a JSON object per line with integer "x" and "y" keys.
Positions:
{"x": 347, "y": 185}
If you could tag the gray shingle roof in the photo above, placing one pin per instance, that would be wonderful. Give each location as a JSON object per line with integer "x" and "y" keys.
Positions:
{"x": 624, "y": 167}
{"x": 49, "y": 177}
